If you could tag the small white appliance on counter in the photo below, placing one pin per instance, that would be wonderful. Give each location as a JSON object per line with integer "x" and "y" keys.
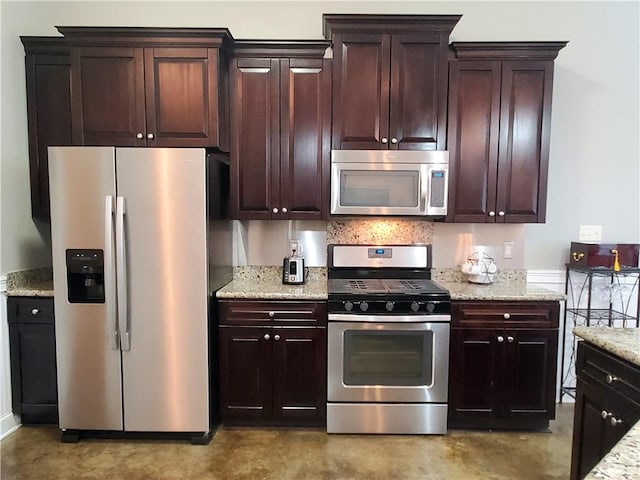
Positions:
{"x": 134, "y": 263}
{"x": 293, "y": 271}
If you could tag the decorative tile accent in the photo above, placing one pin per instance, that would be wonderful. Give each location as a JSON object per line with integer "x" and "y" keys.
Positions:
{"x": 379, "y": 231}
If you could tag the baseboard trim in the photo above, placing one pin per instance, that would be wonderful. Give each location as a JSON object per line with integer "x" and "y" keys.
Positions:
{"x": 556, "y": 277}
{"x": 9, "y": 424}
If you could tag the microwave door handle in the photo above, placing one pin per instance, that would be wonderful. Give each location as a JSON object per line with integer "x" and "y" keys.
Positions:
{"x": 424, "y": 187}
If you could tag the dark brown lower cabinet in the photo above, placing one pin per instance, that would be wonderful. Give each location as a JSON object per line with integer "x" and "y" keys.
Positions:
{"x": 607, "y": 406}
{"x": 503, "y": 364}
{"x": 272, "y": 363}
{"x": 32, "y": 345}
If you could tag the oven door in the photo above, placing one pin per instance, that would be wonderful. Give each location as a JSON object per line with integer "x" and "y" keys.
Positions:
{"x": 377, "y": 361}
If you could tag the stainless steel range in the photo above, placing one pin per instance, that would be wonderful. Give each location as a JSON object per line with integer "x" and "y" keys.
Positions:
{"x": 388, "y": 341}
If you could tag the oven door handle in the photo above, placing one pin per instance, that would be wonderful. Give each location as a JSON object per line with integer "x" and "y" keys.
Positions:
{"x": 345, "y": 317}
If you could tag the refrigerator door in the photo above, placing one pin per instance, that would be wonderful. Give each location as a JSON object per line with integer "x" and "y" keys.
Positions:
{"x": 82, "y": 186}
{"x": 162, "y": 194}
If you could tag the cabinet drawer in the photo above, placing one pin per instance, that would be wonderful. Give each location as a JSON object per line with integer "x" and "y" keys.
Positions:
{"x": 272, "y": 313}
{"x": 601, "y": 368}
{"x": 30, "y": 310}
{"x": 505, "y": 314}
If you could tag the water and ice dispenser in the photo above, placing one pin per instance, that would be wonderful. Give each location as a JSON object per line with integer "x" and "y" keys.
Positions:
{"x": 85, "y": 276}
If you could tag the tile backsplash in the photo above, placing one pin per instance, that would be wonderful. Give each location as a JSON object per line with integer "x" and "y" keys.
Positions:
{"x": 379, "y": 231}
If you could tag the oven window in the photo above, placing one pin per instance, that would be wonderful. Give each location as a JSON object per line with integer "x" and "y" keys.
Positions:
{"x": 388, "y": 358}
{"x": 379, "y": 188}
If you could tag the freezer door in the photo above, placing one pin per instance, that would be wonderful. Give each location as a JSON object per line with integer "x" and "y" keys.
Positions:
{"x": 162, "y": 193}
{"x": 82, "y": 182}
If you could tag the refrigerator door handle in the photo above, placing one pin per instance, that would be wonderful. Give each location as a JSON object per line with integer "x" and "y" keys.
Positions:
{"x": 121, "y": 252}
{"x": 109, "y": 274}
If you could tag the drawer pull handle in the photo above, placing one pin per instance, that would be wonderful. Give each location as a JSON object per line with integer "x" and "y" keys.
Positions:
{"x": 615, "y": 421}
{"x": 267, "y": 337}
{"x": 507, "y": 316}
{"x": 577, "y": 256}
{"x": 500, "y": 339}
{"x": 34, "y": 311}
{"x": 604, "y": 414}
{"x": 611, "y": 379}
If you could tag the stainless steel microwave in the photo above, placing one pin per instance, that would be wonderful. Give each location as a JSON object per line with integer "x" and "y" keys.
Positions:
{"x": 389, "y": 182}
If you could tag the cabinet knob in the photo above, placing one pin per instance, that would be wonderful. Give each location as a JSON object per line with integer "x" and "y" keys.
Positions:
{"x": 384, "y": 140}
{"x": 266, "y": 336}
{"x": 500, "y": 339}
{"x": 275, "y": 210}
{"x": 611, "y": 379}
{"x": 510, "y": 339}
{"x": 272, "y": 314}
{"x": 150, "y": 136}
{"x": 394, "y": 140}
{"x": 35, "y": 311}
{"x": 501, "y": 213}
{"x": 139, "y": 135}
{"x": 284, "y": 210}
{"x": 604, "y": 414}
{"x": 492, "y": 213}
{"x": 276, "y": 337}
{"x": 615, "y": 421}
{"x": 507, "y": 316}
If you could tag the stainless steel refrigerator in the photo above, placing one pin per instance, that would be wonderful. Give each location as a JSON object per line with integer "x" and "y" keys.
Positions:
{"x": 138, "y": 245}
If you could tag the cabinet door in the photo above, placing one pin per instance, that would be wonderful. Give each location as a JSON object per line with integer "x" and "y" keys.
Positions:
{"x": 49, "y": 118}
{"x": 181, "y": 97}
{"x": 361, "y": 91}
{"x": 108, "y": 102}
{"x": 245, "y": 374}
{"x": 255, "y": 137}
{"x": 524, "y": 141}
{"x": 530, "y": 373}
{"x": 474, "y": 375}
{"x": 418, "y": 99}
{"x": 299, "y": 375}
{"x": 474, "y": 107}
{"x": 305, "y": 142}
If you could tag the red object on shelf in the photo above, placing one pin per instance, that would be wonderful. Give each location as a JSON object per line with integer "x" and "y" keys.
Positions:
{"x": 602, "y": 255}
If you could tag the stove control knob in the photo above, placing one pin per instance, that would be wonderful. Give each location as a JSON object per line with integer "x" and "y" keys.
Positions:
{"x": 348, "y": 306}
{"x": 389, "y": 306}
{"x": 364, "y": 306}
{"x": 415, "y": 306}
{"x": 431, "y": 307}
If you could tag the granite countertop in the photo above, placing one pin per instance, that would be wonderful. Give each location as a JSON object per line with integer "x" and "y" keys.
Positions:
{"x": 510, "y": 291}
{"x": 622, "y": 461}
{"x": 30, "y": 283}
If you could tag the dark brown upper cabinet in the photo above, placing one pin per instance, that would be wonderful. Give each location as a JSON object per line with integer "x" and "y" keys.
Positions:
{"x": 156, "y": 87}
{"x": 280, "y": 124}
{"x": 499, "y": 129}
{"x": 48, "y": 76}
{"x": 390, "y": 80}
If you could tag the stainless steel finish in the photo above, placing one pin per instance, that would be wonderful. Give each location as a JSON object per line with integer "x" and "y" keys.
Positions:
{"x": 275, "y": 210}
{"x": 166, "y": 374}
{"x": 384, "y": 140}
{"x": 390, "y": 319}
{"x": 390, "y": 418}
{"x": 611, "y": 378}
{"x": 421, "y": 162}
{"x": 500, "y": 339}
{"x": 110, "y": 273}
{"x": 402, "y": 256}
{"x": 89, "y": 371}
{"x": 337, "y": 391}
{"x": 501, "y": 213}
{"x": 507, "y": 316}
{"x": 121, "y": 255}
{"x": 150, "y": 136}
{"x": 266, "y": 336}
{"x": 492, "y": 213}
{"x": 394, "y": 140}
{"x": 34, "y": 311}
{"x": 615, "y": 421}
{"x": 276, "y": 337}
{"x": 139, "y": 135}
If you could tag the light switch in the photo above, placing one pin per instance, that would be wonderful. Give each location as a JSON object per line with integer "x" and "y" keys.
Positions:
{"x": 590, "y": 233}
{"x": 507, "y": 250}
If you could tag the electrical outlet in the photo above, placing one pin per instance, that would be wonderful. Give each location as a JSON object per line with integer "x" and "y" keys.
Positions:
{"x": 507, "y": 250}
{"x": 590, "y": 233}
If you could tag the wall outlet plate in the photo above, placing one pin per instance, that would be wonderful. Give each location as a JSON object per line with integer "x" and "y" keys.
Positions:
{"x": 590, "y": 233}
{"x": 507, "y": 250}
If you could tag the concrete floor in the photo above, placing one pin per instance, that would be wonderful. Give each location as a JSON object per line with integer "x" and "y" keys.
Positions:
{"x": 36, "y": 453}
